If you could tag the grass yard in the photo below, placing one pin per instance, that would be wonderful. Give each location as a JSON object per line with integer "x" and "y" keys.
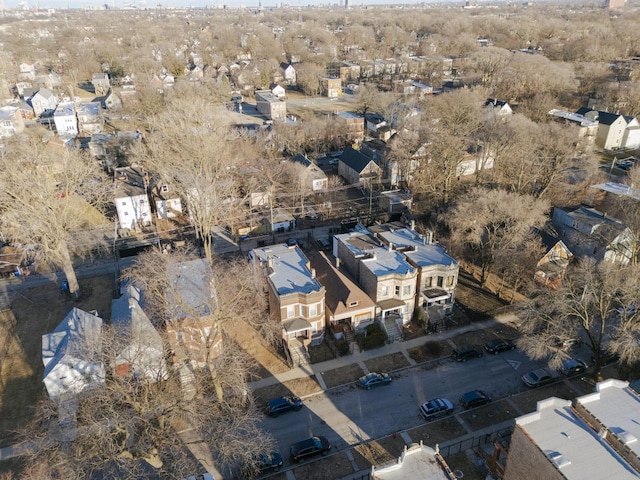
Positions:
{"x": 490, "y": 414}
{"x": 342, "y": 375}
{"x": 37, "y": 311}
{"x": 527, "y": 401}
{"x": 437, "y": 432}
{"x": 462, "y": 463}
{"x": 431, "y": 350}
{"x": 335, "y": 466}
{"x": 300, "y": 387}
{"x": 378, "y": 452}
{"x": 387, "y": 363}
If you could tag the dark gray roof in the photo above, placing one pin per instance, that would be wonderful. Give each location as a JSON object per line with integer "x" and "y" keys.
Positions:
{"x": 301, "y": 159}
{"x": 354, "y": 159}
{"x": 604, "y": 118}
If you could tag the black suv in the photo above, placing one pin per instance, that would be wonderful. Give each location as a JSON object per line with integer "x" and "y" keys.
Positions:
{"x": 475, "y": 398}
{"x": 309, "y": 447}
{"x": 465, "y": 353}
{"x": 281, "y": 405}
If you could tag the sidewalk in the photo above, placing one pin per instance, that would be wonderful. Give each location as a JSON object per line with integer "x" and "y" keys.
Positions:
{"x": 318, "y": 369}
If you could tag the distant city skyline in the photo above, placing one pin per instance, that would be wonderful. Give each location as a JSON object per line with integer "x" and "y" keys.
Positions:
{"x": 120, "y": 4}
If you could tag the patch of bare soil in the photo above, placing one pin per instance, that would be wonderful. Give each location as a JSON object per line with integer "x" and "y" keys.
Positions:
{"x": 342, "y": 375}
{"x": 268, "y": 362}
{"x": 387, "y": 363}
{"x": 431, "y": 350}
{"x": 412, "y": 330}
{"x": 460, "y": 462}
{"x": 437, "y": 432}
{"x": 300, "y": 387}
{"x": 378, "y": 452}
{"x": 527, "y": 400}
{"x": 33, "y": 313}
{"x": 475, "y": 302}
{"x": 489, "y": 414}
{"x": 480, "y": 337}
{"x": 335, "y": 466}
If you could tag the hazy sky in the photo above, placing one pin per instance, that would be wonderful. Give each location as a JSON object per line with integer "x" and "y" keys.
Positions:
{"x": 199, "y": 3}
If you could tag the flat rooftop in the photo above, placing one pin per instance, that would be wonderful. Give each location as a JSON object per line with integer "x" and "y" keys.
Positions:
{"x": 617, "y": 407}
{"x": 416, "y": 248}
{"x": 572, "y": 445}
{"x": 289, "y": 271}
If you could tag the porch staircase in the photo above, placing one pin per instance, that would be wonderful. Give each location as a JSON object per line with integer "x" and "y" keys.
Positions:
{"x": 348, "y": 333}
{"x": 299, "y": 353}
{"x": 393, "y": 332}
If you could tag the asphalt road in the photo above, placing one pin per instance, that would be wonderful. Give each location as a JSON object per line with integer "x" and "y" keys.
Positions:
{"x": 348, "y": 415}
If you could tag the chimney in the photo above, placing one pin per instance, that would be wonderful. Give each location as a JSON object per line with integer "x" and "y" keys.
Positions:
{"x": 390, "y": 246}
{"x": 313, "y": 272}
{"x": 413, "y": 224}
{"x": 269, "y": 265}
{"x": 337, "y": 262}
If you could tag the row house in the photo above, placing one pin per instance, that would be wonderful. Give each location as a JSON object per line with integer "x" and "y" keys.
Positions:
{"x": 332, "y": 87}
{"x": 382, "y": 272}
{"x": 192, "y": 319}
{"x": 296, "y": 297}
{"x": 138, "y": 346}
{"x": 437, "y": 271}
{"x": 347, "y": 306}
{"x": 131, "y": 198}
{"x": 593, "y": 436}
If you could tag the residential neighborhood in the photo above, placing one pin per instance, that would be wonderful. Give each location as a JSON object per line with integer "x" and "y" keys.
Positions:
{"x": 222, "y": 227}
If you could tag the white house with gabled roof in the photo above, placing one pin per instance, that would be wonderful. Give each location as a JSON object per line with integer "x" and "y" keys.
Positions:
{"x": 44, "y": 101}
{"x": 72, "y": 355}
{"x": 65, "y": 119}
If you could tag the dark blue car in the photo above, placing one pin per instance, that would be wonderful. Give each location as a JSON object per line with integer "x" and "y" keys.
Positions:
{"x": 281, "y": 405}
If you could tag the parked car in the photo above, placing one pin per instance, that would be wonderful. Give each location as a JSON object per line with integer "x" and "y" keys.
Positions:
{"x": 567, "y": 343}
{"x": 200, "y": 476}
{"x": 474, "y": 398}
{"x": 537, "y": 378}
{"x": 465, "y": 353}
{"x": 374, "y": 380}
{"x": 280, "y": 405}
{"x": 497, "y": 346}
{"x": 269, "y": 461}
{"x": 573, "y": 366}
{"x": 310, "y": 447}
{"x": 436, "y": 407}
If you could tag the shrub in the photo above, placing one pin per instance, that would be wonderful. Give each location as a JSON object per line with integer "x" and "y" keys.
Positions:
{"x": 343, "y": 347}
{"x": 374, "y": 337}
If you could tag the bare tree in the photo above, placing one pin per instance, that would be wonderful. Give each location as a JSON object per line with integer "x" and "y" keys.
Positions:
{"x": 487, "y": 226}
{"x": 52, "y": 199}
{"x": 192, "y": 150}
{"x": 595, "y": 303}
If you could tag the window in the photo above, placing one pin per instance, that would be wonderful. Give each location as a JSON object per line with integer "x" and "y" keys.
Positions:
{"x": 406, "y": 291}
{"x": 291, "y": 311}
{"x": 384, "y": 291}
{"x": 428, "y": 282}
{"x": 353, "y": 304}
{"x": 313, "y": 310}
{"x": 397, "y": 290}
{"x": 450, "y": 280}
{"x": 440, "y": 281}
